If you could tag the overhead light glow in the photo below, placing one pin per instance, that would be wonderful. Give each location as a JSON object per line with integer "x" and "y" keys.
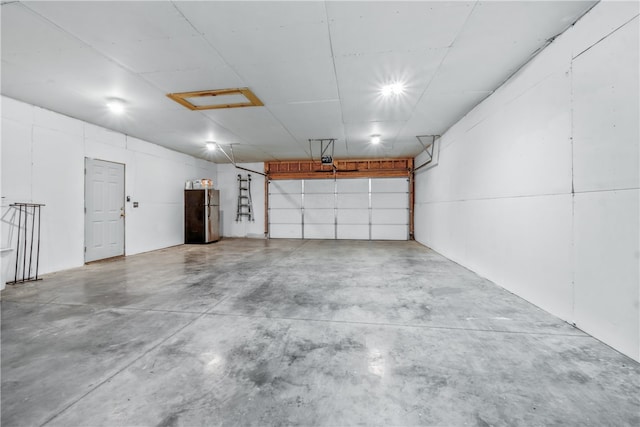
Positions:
{"x": 375, "y": 139}
{"x": 393, "y": 89}
{"x": 211, "y": 146}
{"x": 116, "y": 106}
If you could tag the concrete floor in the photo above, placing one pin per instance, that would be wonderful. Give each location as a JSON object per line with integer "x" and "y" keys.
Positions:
{"x": 255, "y": 332}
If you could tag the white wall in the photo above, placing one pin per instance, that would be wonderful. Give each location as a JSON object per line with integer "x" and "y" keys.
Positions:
{"x": 43, "y": 162}
{"x": 537, "y": 188}
{"x": 227, "y": 183}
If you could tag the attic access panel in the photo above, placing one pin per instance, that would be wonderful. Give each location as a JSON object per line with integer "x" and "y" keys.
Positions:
{"x": 216, "y": 99}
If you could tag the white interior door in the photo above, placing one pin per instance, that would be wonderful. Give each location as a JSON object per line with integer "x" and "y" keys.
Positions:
{"x": 104, "y": 209}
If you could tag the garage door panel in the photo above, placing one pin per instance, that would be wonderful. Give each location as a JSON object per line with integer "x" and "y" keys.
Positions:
{"x": 319, "y": 186}
{"x": 359, "y": 185}
{"x": 389, "y": 216}
{"x": 285, "y": 231}
{"x": 285, "y": 187}
{"x": 285, "y": 216}
{"x": 285, "y": 201}
{"x": 389, "y": 185}
{"x": 389, "y": 200}
{"x": 319, "y": 201}
{"x": 389, "y": 232}
{"x": 353, "y": 232}
{"x": 319, "y": 231}
{"x": 353, "y": 216}
{"x": 319, "y": 216}
{"x": 353, "y": 201}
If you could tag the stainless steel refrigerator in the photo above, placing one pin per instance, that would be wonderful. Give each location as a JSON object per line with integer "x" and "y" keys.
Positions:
{"x": 201, "y": 215}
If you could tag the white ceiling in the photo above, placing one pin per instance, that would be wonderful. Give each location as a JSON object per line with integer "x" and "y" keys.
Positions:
{"x": 317, "y": 66}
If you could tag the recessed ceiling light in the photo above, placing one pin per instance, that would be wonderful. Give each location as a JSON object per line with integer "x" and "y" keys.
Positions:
{"x": 392, "y": 89}
{"x": 115, "y": 105}
{"x": 211, "y": 146}
{"x": 375, "y": 139}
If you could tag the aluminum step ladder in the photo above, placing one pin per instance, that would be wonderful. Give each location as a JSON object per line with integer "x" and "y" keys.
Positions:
{"x": 245, "y": 206}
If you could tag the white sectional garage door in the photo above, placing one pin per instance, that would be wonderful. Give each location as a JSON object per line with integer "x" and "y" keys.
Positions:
{"x": 355, "y": 209}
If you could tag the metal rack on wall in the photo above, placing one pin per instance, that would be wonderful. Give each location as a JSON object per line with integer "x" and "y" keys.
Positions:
{"x": 28, "y": 241}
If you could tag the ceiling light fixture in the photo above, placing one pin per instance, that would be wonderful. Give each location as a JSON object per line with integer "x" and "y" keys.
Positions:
{"x": 392, "y": 89}
{"x": 115, "y": 105}
{"x": 375, "y": 139}
{"x": 211, "y": 146}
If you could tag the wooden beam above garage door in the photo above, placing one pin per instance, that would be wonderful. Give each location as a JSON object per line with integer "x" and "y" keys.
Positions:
{"x": 314, "y": 169}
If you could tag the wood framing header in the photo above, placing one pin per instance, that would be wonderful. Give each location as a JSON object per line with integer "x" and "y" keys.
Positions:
{"x": 314, "y": 169}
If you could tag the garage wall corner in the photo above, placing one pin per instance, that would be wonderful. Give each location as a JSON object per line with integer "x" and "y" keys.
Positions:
{"x": 227, "y": 183}
{"x": 538, "y": 187}
{"x": 43, "y": 155}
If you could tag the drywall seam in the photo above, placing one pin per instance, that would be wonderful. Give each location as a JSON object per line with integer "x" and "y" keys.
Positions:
{"x": 525, "y": 196}
{"x": 606, "y": 36}
{"x": 433, "y": 76}
{"x": 573, "y": 201}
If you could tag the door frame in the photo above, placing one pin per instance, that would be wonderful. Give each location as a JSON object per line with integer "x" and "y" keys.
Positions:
{"x": 124, "y": 204}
